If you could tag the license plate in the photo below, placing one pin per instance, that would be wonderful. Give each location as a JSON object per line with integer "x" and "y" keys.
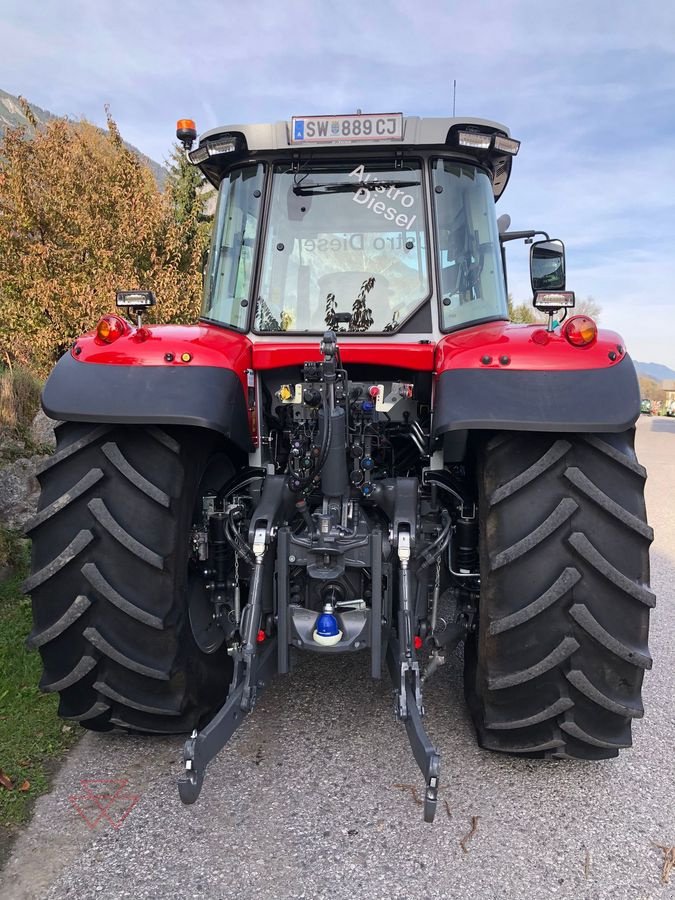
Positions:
{"x": 334, "y": 129}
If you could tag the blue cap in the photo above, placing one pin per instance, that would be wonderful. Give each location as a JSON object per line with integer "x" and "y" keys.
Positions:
{"x": 327, "y": 626}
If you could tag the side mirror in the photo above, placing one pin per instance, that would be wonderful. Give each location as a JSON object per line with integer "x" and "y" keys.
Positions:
{"x": 547, "y": 266}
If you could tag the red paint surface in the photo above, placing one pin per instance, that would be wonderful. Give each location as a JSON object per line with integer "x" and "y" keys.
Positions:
{"x": 208, "y": 346}
{"x": 384, "y": 352}
{"x": 526, "y": 348}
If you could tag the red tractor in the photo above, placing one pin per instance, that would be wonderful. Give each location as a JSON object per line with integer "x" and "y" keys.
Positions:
{"x": 353, "y": 451}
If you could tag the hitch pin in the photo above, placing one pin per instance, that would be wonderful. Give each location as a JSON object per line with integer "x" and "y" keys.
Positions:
{"x": 259, "y": 544}
{"x": 404, "y": 548}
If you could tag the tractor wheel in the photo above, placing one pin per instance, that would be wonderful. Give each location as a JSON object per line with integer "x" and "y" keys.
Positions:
{"x": 109, "y": 581}
{"x": 556, "y": 667}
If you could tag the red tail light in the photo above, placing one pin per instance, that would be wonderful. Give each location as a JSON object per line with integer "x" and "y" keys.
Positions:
{"x": 580, "y": 331}
{"x": 110, "y": 328}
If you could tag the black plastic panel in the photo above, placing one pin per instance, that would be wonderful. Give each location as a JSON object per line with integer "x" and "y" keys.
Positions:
{"x": 568, "y": 401}
{"x": 201, "y": 396}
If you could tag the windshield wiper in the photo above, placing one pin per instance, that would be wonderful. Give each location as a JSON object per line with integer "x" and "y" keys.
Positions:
{"x": 344, "y": 187}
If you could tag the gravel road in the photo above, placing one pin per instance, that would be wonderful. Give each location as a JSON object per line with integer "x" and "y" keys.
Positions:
{"x": 306, "y": 800}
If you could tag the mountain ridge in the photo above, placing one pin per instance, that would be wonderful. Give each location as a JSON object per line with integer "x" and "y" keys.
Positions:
{"x": 657, "y": 371}
{"x": 12, "y": 116}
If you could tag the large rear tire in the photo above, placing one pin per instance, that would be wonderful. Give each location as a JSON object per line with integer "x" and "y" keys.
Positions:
{"x": 556, "y": 668}
{"x": 111, "y": 541}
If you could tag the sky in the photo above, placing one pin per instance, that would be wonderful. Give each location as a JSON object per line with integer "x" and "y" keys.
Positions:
{"x": 588, "y": 87}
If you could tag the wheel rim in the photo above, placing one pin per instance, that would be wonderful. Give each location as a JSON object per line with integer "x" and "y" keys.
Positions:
{"x": 206, "y": 630}
{"x": 208, "y": 634}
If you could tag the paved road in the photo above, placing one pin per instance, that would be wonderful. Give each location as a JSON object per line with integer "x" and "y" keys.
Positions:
{"x": 303, "y": 802}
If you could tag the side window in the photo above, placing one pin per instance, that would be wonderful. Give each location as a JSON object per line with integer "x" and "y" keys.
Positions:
{"x": 230, "y": 267}
{"x": 470, "y": 263}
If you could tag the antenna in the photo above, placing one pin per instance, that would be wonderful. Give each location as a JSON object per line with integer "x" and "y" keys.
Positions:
{"x": 454, "y": 96}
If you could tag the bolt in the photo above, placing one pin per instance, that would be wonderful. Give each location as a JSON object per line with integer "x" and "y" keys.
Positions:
{"x": 168, "y": 357}
{"x": 78, "y": 350}
{"x": 486, "y": 360}
{"x": 291, "y": 558}
{"x": 612, "y": 355}
{"x": 357, "y": 644}
{"x": 505, "y": 360}
{"x": 619, "y": 348}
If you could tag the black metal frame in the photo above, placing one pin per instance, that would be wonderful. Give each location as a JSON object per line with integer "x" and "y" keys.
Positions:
{"x": 331, "y": 556}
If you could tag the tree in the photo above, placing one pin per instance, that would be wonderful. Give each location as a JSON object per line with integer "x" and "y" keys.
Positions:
{"x": 81, "y": 217}
{"x": 650, "y": 389}
{"x": 524, "y": 313}
{"x": 191, "y": 195}
{"x": 588, "y": 307}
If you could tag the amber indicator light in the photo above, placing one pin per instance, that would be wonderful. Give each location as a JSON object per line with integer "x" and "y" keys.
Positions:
{"x": 580, "y": 331}
{"x": 110, "y": 328}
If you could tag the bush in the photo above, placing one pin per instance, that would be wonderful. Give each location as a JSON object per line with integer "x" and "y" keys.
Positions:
{"x": 80, "y": 218}
{"x": 19, "y": 398}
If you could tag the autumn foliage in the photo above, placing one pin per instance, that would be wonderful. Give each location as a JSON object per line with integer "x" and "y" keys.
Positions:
{"x": 81, "y": 217}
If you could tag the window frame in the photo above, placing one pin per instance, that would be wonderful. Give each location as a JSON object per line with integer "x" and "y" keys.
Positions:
{"x": 440, "y": 157}
{"x": 253, "y": 282}
{"x": 343, "y": 160}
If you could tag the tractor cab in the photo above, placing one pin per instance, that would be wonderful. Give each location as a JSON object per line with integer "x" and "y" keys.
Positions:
{"x": 359, "y": 224}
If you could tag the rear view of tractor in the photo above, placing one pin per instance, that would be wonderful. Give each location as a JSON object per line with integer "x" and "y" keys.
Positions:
{"x": 353, "y": 451}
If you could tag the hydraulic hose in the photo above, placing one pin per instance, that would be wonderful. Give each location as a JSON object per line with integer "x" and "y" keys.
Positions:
{"x": 442, "y": 479}
{"x": 242, "y": 479}
{"x": 433, "y": 551}
{"x": 236, "y": 541}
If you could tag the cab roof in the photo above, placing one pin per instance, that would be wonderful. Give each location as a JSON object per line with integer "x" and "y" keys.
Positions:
{"x": 417, "y": 132}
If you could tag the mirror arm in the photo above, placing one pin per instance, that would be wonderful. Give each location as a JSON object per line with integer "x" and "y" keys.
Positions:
{"x": 521, "y": 236}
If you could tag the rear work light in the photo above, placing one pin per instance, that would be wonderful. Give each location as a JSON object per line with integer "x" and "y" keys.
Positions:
{"x": 474, "y": 139}
{"x": 506, "y": 145}
{"x": 110, "y": 328}
{"x": 225, "y": 143}
{"x": 135, "y": 299}
{"x": 580, "y": 331}
{"x": 221, "y": 145}
{"x": 553, "y": 300}
{"x": 199, "y": 155}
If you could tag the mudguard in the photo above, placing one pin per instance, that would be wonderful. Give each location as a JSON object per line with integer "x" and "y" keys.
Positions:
{"x": 203, "y": 396}
{"x": 577, "y": 400}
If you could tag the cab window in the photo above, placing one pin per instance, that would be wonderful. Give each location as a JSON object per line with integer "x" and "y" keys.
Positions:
{"x": 229, "y": 270}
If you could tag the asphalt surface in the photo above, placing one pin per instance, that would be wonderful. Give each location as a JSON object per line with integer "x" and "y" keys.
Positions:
{"x": 306, "y": 800}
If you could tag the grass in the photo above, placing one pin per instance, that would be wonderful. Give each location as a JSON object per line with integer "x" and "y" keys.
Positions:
{"x": 12, "y": 552}
{"x": 32, "y": 737}
{"x": 19, "y": 397}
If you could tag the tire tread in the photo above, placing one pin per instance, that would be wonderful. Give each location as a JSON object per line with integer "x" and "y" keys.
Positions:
{"x": 556, "y": 667}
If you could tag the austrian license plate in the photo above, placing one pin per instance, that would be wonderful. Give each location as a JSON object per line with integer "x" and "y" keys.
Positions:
{"x": 331, "y": 129}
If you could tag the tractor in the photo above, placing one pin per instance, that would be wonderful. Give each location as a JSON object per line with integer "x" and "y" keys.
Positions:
{"x": 353, "y": 451}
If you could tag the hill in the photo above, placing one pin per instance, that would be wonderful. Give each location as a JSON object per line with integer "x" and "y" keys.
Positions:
{"x": 657, "y": 371}
{"x": 11, "y": 116}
